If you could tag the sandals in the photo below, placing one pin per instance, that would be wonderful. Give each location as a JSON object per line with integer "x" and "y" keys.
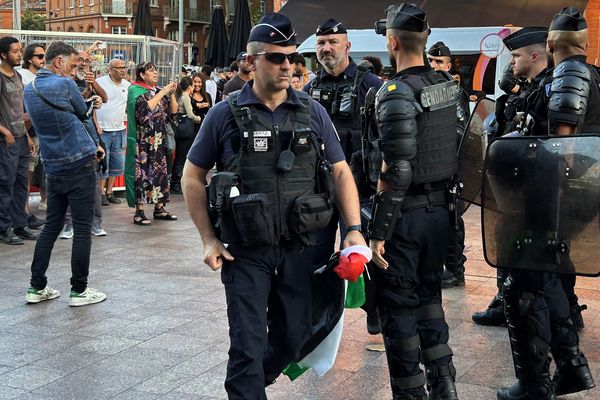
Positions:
{"x": 161, "y": 213}
{"x": 139, "y": 218}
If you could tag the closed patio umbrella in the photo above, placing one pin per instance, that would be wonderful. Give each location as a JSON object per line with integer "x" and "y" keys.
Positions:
{"x": 217, "y": 40}
{"x": 240, "y": 29}
{"x": 143, "y": 20}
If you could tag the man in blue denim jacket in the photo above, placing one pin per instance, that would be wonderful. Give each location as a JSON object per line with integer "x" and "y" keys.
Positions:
{"x": 68, "y": 149}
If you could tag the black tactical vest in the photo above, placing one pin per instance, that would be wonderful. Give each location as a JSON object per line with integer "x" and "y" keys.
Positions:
{"x": 261, "y": 146}
{"x": 436, "y": 137}
{"x": 340, "y": 100}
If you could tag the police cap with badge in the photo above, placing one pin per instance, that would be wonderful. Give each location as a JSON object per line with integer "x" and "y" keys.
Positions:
{"x": 404, "y": 17}
{"x": 331, "y": 27}
{"x": 526, "y": 37}
{"x": 274, "y": 28}
{"x": 439, "y": 49}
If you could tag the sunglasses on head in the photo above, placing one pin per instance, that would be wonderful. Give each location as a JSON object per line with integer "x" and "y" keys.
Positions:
{"x": 278, "y": 58}
{"x": 39, "y": 56}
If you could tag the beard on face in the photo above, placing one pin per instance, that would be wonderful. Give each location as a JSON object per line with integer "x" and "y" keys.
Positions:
{"x": 393, "y": 61}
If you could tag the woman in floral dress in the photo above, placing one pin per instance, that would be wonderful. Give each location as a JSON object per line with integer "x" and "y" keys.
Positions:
{"x": 148, "y": 109}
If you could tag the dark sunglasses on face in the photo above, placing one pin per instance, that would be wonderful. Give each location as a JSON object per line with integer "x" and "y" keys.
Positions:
{"x": 39, "y": 56}
{"x": 278, "y": 58}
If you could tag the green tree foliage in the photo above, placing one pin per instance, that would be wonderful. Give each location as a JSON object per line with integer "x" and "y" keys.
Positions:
{"x": 31, "y": 21}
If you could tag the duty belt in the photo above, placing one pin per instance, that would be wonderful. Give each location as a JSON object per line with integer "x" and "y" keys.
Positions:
{"x": 412, "y": 202}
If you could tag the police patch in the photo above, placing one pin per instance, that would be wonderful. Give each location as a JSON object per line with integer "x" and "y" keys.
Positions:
{"x": 262, "y": 134}
{"x": 439, "y": 96}
{"x": 261, "y": 144}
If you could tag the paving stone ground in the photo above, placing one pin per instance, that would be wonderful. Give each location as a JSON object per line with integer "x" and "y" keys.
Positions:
{"x": 162, "y": 332}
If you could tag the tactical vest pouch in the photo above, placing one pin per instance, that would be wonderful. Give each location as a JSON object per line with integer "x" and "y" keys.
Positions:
{"x": 311, "y": 212}
{"x": 253, "y": 218}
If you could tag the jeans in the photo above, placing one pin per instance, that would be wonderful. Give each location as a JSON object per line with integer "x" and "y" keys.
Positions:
{"x": 77, "y": 191}
{"x": 14, "y": 167}
{"x": 97, "y": 223}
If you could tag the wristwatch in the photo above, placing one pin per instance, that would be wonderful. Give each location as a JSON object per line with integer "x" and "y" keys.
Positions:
{"x": 354, "y": 228}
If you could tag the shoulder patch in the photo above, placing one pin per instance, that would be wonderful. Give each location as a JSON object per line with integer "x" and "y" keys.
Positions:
{"x": 391, "y": 87}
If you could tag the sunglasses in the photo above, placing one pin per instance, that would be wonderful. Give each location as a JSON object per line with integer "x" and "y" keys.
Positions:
{"x": 278, "y": 58}
{"x": 39, "y": 56}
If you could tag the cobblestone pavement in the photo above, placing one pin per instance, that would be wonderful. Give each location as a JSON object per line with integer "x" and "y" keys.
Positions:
{"x": 162, "y": 332}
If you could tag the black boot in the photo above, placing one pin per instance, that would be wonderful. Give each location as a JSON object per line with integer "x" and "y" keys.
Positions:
{"x": 493, "y": 316}
{"x": 452, "y": 279}
{"x": 530, "y": 345}
{"x": 440, "y": 382}
{"x": 572, "y": 371}
{"x": 521, "y": 392}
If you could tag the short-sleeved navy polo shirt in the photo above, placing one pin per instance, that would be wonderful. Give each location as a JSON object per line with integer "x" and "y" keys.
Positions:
{"x": 209, "y": 148}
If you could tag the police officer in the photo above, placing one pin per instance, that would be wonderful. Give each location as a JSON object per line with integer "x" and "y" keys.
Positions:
{"x": 416, "y": 115}
{"x": 341, "y": 87}
{"x": 536, "y": 306}
{"x": 440, "y": 59}
{"x": 269, "y": 143}
{"x": 520, "y": 81}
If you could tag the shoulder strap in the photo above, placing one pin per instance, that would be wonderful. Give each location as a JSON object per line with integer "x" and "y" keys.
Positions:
{"x": 55, "y": 106}
{"x": 242, "y": 117}
{"x": 363, "y": 68}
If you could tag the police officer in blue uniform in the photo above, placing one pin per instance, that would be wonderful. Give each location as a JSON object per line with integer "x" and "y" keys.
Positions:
{"x": 536, "y": 305}
{"x": 416, "y": 116}
{"x": 279, "y": 166}
{"x": 341, "y": 87}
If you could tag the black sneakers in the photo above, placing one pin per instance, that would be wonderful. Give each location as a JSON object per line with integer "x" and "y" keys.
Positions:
{"x": 25, "y": 233}
{"x": 9, "y": 237}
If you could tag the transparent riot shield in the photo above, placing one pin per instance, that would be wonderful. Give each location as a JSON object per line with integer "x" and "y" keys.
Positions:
{"x": 472, "y": 152}
{"x": 540, "y": 204}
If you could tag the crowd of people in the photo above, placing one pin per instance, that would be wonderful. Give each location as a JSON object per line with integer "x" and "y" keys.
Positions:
{"x": 295, "y": 166}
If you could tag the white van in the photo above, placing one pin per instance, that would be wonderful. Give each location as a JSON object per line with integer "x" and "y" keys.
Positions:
{"x": 478, "y": 53}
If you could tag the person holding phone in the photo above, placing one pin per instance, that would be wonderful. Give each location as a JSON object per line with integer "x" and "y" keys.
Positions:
{"x": 148, "y": 109}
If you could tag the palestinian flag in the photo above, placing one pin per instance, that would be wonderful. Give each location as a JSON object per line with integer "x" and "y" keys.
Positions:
{"x": 330, "y": 294}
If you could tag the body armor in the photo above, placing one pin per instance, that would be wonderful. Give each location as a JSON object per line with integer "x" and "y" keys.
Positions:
{"x": 284, "y": 189}
{"x": 340, "y": 100}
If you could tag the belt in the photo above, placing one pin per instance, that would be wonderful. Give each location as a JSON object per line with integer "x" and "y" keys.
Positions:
{"x": 437, "y": 198}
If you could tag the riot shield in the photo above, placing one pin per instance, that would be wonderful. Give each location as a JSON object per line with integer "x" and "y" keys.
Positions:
{"x": 540, "y": 204}
{"x": 471, "y": 152}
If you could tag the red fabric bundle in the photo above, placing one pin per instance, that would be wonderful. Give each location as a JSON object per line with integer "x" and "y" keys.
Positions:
{"x": 350, "y": 267}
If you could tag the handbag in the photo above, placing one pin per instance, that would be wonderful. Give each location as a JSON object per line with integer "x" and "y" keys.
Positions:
{"x": 185, "y": 127}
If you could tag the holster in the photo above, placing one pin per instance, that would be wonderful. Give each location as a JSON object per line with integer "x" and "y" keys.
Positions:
{"x": 218, "y": 195}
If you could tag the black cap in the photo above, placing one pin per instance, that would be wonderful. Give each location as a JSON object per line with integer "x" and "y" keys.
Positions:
{"x": 439, "y": 50}
{"x": 241, "y": 56}
{"x": 568, "y": 19}
{"x": 331, "y": 27}
{"x": 525, "y": 37}
{"x": 406, "y": 17}
{"x": 273, "y": 28}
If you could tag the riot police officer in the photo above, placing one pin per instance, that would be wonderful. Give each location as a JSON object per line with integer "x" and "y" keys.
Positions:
{"x": 416, "y": 116}
{"x": 536, "y": 306}
{"x": 279, "y": 161}
{"x": 440, "y": 59}
{"x": 519, "y": 81}
{"x": 341, "y": 87}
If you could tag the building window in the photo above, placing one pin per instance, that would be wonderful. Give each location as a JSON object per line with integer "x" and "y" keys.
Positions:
{"x": 71, "y": 3}
{"x": 153, "y": 3}
{"x": 174, "y": 35}
{"x": 193, "y": 36}
{"x": 80, "y": 3}
{"x": 91, "y": 3}
{"x": 119, "y": 30}
{"x": 174, "y": 3}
